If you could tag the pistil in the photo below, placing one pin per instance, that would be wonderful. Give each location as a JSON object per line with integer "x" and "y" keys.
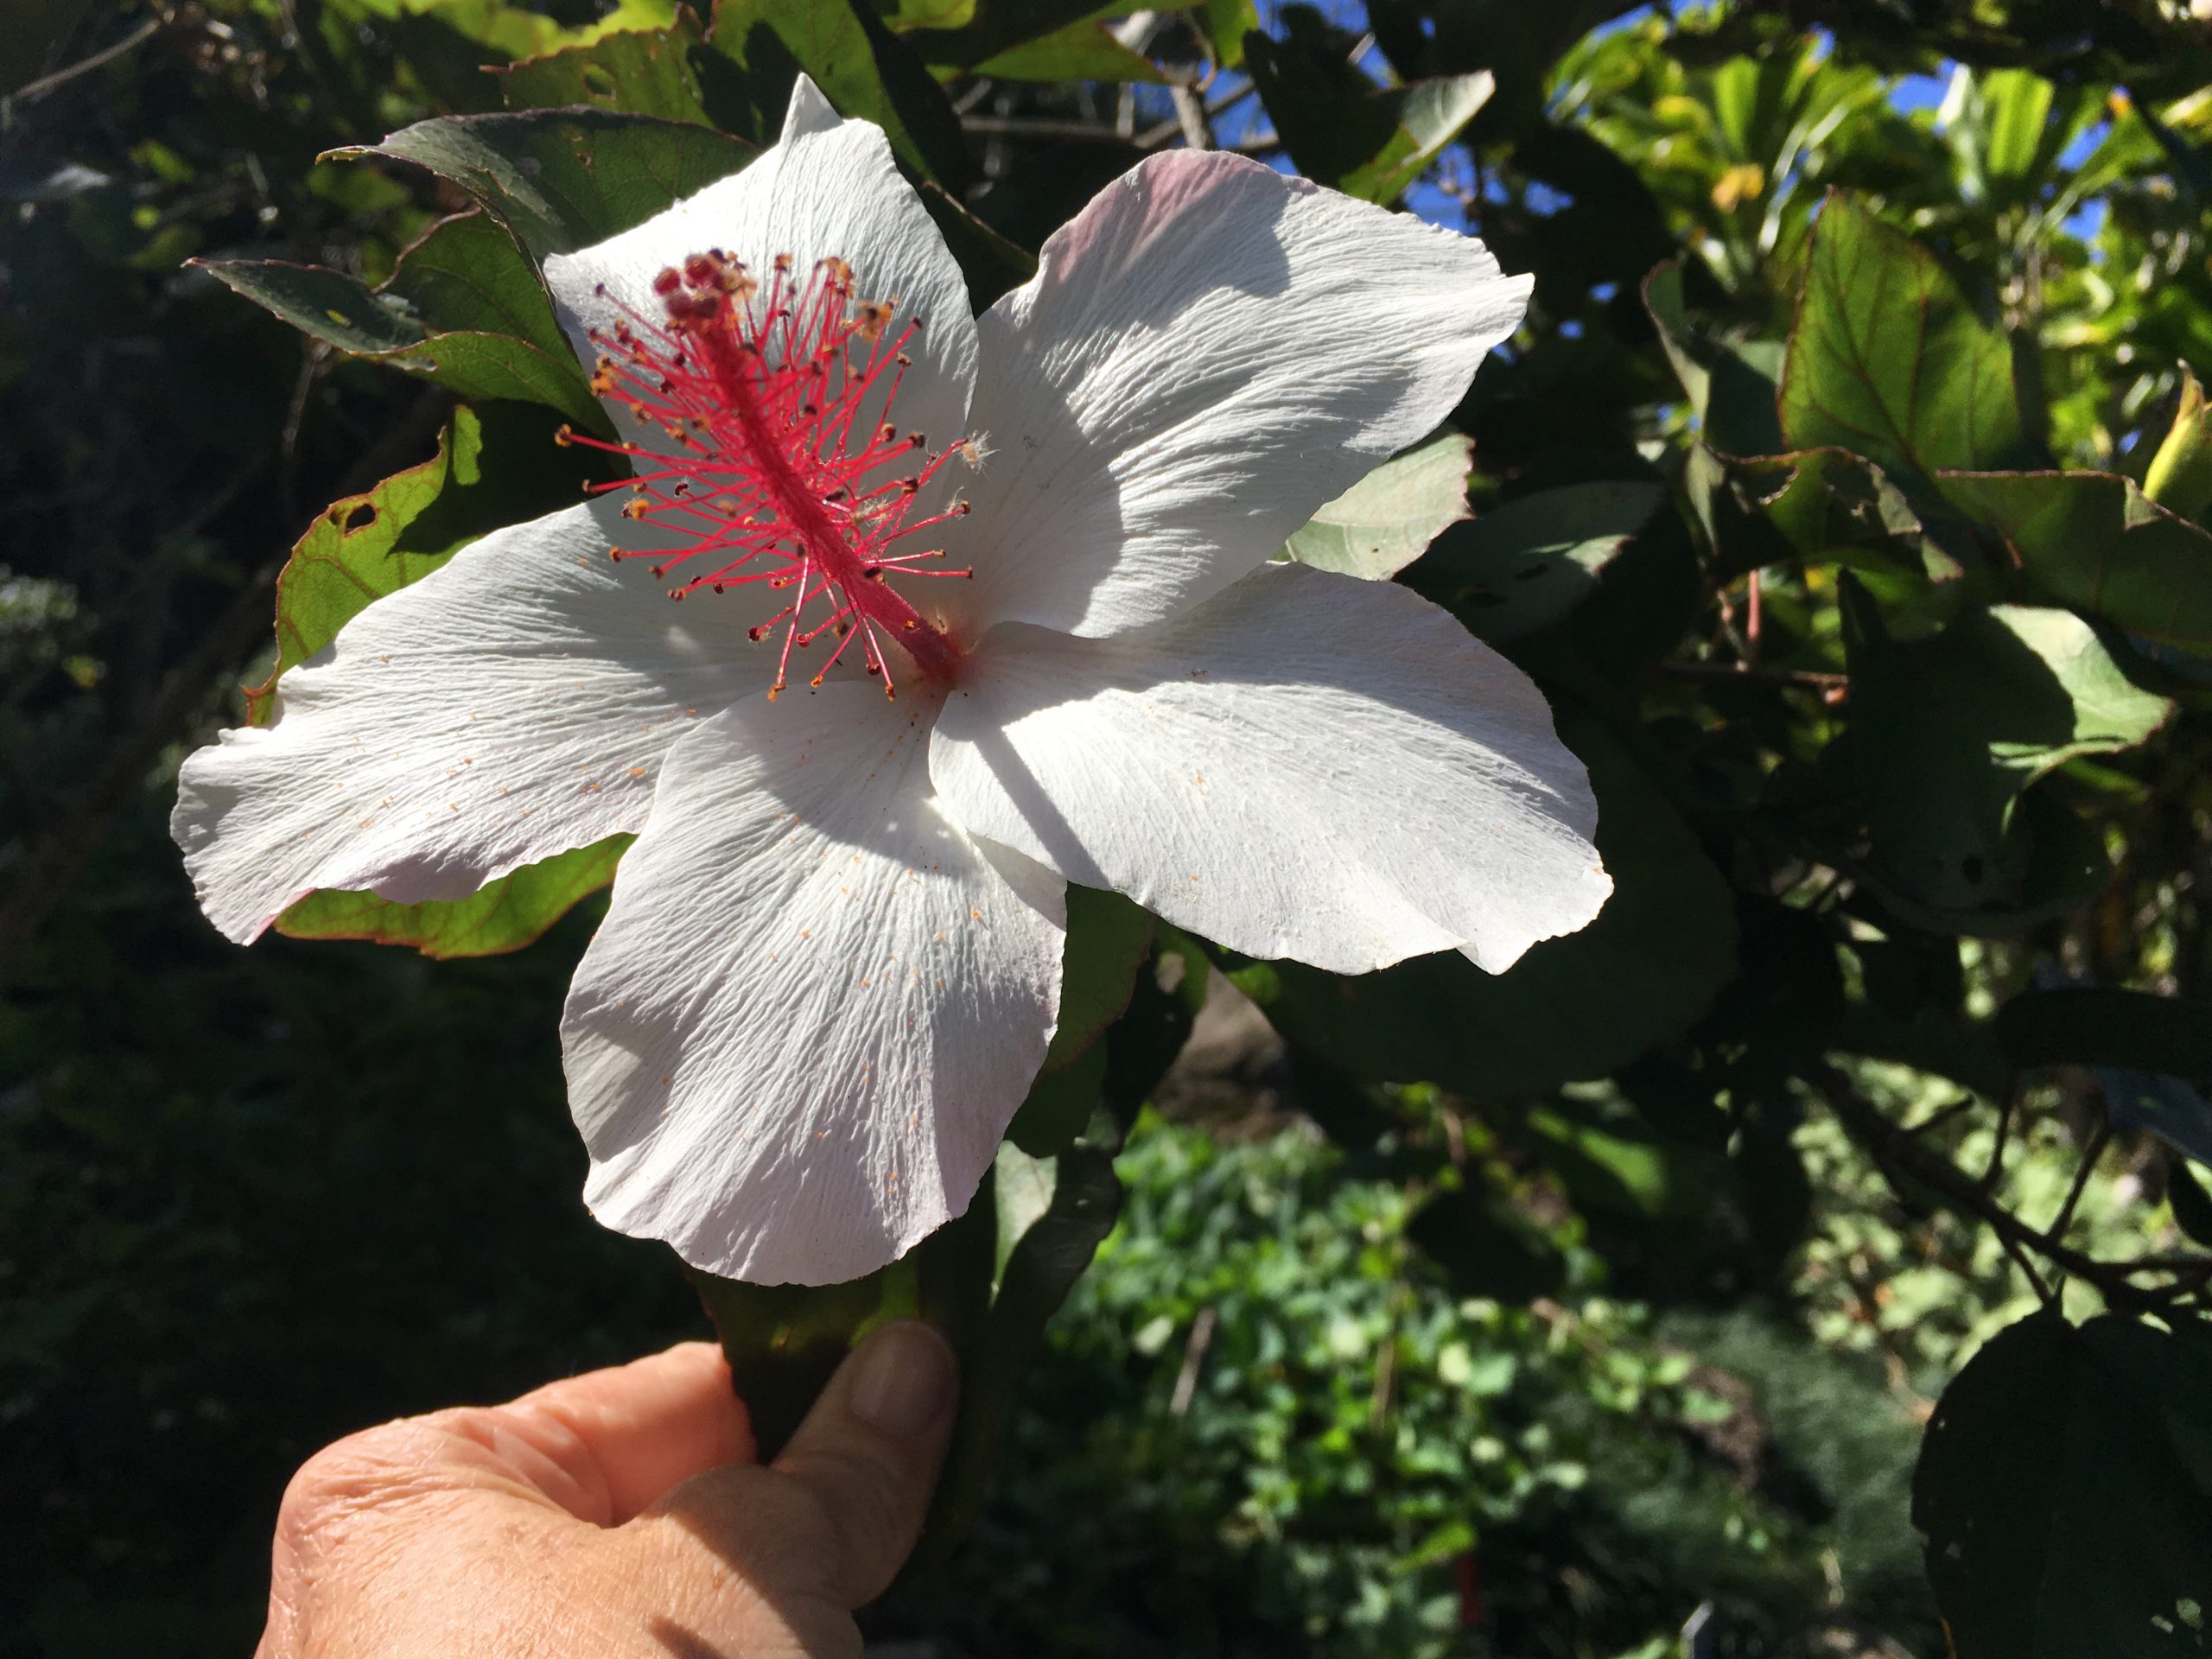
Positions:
{"x": 769, "y": 475}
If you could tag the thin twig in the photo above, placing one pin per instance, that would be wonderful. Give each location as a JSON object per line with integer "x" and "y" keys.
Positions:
{"x": 1194, "y": 1359}
{"x": 2098, "y": 1141}
{"x": 1691, "y": 668}
{"x": 131, "y": 42}
{"x": 1191, "y": 115}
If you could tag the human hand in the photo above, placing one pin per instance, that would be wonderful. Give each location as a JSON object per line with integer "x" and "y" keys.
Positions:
{"x": 620, "y": 1513}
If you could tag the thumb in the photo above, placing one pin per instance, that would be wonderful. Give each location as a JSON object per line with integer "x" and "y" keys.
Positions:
{"x": 869, "y": 1451}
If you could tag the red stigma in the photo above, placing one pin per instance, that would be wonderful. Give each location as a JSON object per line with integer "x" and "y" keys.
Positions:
{"x": 771, "y": 477}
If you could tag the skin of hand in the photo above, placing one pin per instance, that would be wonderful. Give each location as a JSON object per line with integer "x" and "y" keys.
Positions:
{"x": 620, "y": 1513}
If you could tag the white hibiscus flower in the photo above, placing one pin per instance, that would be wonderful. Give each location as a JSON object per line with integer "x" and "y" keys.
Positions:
{"x": 832, "y": 959}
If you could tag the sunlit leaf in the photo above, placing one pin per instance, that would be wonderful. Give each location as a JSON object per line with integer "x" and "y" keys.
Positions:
{"x": 1946, "y": 732}
{"x": 1889, "y": 360}
{"x": 1082, "y": 51}
{"x": 504, "y": 915}
{"x": 1386, "y": 520}
{"x": 2094, "y": 541}
{"x": 643, "y": 72}
{"x": 2180, "y": 475}
{"x": 365, "y": 546}
{"x": 564, "y": 179}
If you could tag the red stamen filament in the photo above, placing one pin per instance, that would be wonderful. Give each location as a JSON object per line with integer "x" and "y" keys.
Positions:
{"x": 760, "y": 394}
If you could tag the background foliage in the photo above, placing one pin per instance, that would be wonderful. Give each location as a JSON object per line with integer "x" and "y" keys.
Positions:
{"x": 1802, "y": 1260}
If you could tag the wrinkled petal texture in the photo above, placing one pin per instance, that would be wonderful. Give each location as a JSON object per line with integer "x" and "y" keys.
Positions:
{"x": 514, "y": 703}
{"x": 814, "y": 1004}
{"x": 826, "y": 187}
{"x": 1208, "y": 353}
{"x": 1308, "y": 766}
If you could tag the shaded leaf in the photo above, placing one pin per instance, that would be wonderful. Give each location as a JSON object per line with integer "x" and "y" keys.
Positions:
{"x": 1038, "y": 1265}
{"x": 506, "y": 915}
{"x": 990, "y": 264}
{"x": 783, "y": 1341}
{"x": 2094, "y": 542}
{"x": 1947, "y": 732}
{"x": 2084, "y": 1024}
{"x": 1060, "y": 1104}
{"x": 2192, "y": 1205}
{"x": 2065, "y": 1493}
{"x": 1107, "y": 940}
{"x": 903, "y": 16}
{"x": 1574, "y": 1007}
{"x": 1342, "y": 130}
{"x": 1888, "y": 360}
{"x": 1833, "y": 507}
{"x": 1387, "y": 520}
{"x": 1522, "y": 566}
{"x": 564, "y": 179}
{"x": 863, "y": 69}
{"x": 636, "y": 71}
{"x": 1488, "y": 1247}
{"x": 1730, "y": 386}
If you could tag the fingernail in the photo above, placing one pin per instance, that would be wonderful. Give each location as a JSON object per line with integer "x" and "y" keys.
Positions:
{"x": 904, "y": 1379}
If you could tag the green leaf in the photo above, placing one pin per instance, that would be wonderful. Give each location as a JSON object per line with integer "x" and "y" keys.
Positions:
{"x": 365, "y": 546}
{"x": 504, "y": 915}
{"x": 864, "y": 70}
{"x": 1488, "y": 1247}
{"x": 1108, "y": 939}
{"x": 1523, "y": 566}
{"x": 2098, "y": 1026}
{"x": 1060, "y": 1104}
{"x": 995, "y": 27}
{"x": 1831, "y": 506}
{"x": 467, "y": 273}
{"x": 2180, "y": 478}
{"x": 1573, "y": 1008}
{"x": 1342, "y": 130}
{"x": 2065, "y": 1494}
{"x": 1387, "y": 520}
{"x": 1947, "y": 733}
{"x": 564, "y": 179}
{"x": 2192, "y": 1205}
{"x": 901, "y": 16}
{"x": 335, "y": 307}
{"x": 1083, "y": 51}
{"x": 327, "y": 304}
{"x": 1730, "y": 386}
{"x": 1225, "y": 23}
{"x": 638, "y": 72}
{"x": 1888, "y": 360}
{"x": 1039, "y": 1262}
{"x": 2094, "y": 542}
{"x": 988, "y": 262}
{"x": 783, "y": 1341}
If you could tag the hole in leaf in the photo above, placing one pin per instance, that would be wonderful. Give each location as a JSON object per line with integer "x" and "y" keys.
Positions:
{"x": 598, "y": 82}
{"x": 358, "y": 517}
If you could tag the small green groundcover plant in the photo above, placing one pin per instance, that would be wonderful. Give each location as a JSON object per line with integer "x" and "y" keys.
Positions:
{"x": 1792, "y": 1240}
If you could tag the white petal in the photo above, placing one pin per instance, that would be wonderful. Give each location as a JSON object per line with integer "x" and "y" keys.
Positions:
{"x": 514, "y": 703}
{"x": 1208, "y": 353}
{"x": 826, "y": 187}
{"x": 1308, "y": 766}
{"x": 809, "y": 111}
{"x": 813, "y": 1005}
